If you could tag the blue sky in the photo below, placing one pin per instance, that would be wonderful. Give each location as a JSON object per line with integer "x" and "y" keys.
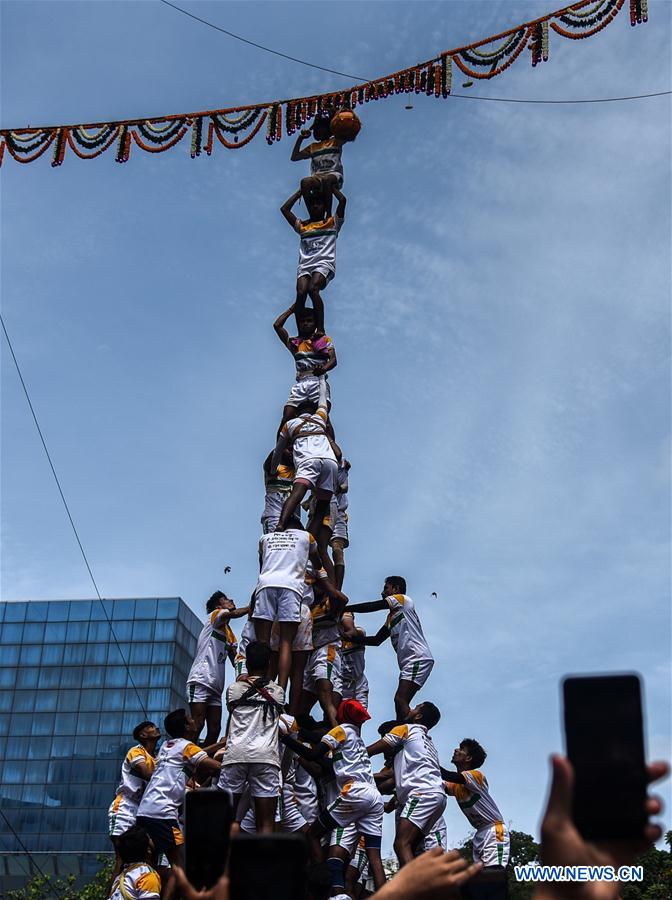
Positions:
{"x": 500, "y": 313}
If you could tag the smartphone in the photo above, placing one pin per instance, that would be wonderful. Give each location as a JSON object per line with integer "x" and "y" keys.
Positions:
{"x": 207, "y": 823}
{"x": 268, "y": 866}
{"x": 605, "y": 743}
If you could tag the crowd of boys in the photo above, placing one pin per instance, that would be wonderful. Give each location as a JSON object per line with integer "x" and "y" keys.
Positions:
{"x": 301, "y": 649}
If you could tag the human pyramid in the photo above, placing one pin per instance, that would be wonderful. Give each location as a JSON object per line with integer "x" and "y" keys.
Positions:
{"x": 301, "y": 646}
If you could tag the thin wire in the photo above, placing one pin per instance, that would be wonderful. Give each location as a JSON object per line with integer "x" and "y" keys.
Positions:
{"x": 600, "y": 100}
{"x": 261, "y": 46}
{"x": 67, "y": 509}
{"x": 29, "y": 854}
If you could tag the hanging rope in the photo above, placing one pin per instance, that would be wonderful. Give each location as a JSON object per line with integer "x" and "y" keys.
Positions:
{"x": 237, "y": 126}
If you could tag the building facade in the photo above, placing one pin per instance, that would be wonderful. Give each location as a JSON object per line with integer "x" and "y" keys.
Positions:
{"x": 73, "y": 685}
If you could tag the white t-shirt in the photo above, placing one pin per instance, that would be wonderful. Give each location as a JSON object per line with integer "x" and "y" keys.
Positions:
{"x": 132, "y": 786}
{"x": 473, "y": 798}
{"x": 252, "y": 733}
{"x": 326, "y": 157}
{"x": 405, "y": 630}
{"x": 416, "y": 765}
{"x": 311, "y": 441}
{"x": 141, "y": 882}
{"x": 165, "y": 792}
{"x": 317, "y": 247}
{"x": 349, "y": 756}
{"x": 284, "y": 557}
{"x": 214, "y": 643}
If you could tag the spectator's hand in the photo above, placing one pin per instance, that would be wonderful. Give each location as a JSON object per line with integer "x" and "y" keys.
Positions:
{"x": 219, "y": 892}
{"x": 562, "y": 845}
{"x": 434, "y": 875}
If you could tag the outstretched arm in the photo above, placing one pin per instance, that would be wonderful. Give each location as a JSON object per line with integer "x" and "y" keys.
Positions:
{"x": 297, "y": 153}
{"x": 372, "y": 606}
{"x": 374, "y": 641}
{"x": 281, "y": 331}
{"x": 279, "y": 450}
{"x": 452, "y": 777}
{"x": 286, "y": 208}
{"x": 311, "y": 754}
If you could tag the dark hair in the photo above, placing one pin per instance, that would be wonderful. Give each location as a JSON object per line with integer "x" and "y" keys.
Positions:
{"x": 430, "y": 714}
{"x": 213, "y": 601}
{"x": 140, "y": 728}
{"x": 257, "y": 656}
{"x": 386, "y": 727}
{"x": 322, "y": 124}
{"x": 397, "y": 582}
{"x": 306, "y": 313}
{"x": 175, "y": 723}
{"x": 295, "y": 522}
{"x": 133, "y": 845}
{"x": 318, "y": 881}
{"x": 475, "y": 751}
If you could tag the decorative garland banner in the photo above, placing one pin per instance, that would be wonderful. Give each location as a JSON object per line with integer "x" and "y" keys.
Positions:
{"x": 236, "y": 127}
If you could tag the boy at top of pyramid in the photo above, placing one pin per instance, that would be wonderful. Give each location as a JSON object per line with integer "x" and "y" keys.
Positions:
{"x": 317, "y": 248}
{"x": 325, "y": 155}
{"x": 314, "y": 355}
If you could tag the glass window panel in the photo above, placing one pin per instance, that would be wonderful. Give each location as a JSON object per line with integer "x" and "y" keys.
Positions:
{"x": 143, "y": 631}
{"x": 10, "y": 655}
{"x": 139, "y": 676}
{"x": 110, "y": 723}
{"x": 124, "y": 609}
{"x": 11, "y": 634}
{"x": 12, "y": 771}
{"x": 119, "y": 654}
{"x": 95, "y": 656}
{"x": 15, "y": 612}
{"x": 106, "y": 771}
{"x": 36, "y": 771}
{"x": 128, "y": 722}
{"x": 57, "y": 631}
{"x": 59, "y": 773}
{"x": 146, "y": 608}
{"x": 67, "y": 723}
{"x": 7, "y": 677}
{"x": 99, "y": 610}
{"x": 85, "y": 745}
{"x": 76, "y": 820}
{"x": 63, "y": 746}
{"x": 165, "y": 630}
{"x": 21, "y": 723}
{"x": 17, "y": 747}
{"x": 140, "y": 653}
{"x": 77, "y": 631}
{"x": 167, "y": 609}
{"x": 112, "y": 700}
{"x": 67, "y": 701}
{"x": 82, "y": 769}
{"x": 89, "y": 700}
{"x": 57, "y": 611}
{"x": 36, "y": 611}
{"x": 71, "y": 676}
{"x": 87, "y": 723}
{"x": 121, "y": 631}
{"x": 30, "y": 655}
{"x": 6, "y": 700}
{"x": 158, "y": 699}
{"x": 2, "y": 611}
{"x": 162, "y": 653}
{"x": 80, "y": 611}
{"x": 26, "y": 677}
{"x": 45, "y": 701}
{"x": 160, "y": 676}
{"x": 115, "y": 676}
{"x": 99, "y": 631}
{"x": 94, "y": 675}
{"x": 53, "y": 819}
{"x": 52, "y": 654}
{"x": 33, "y": 632}
{"x": 49, "y": 677}
{"x": 74, "y": 654}
{"x": 39, "y": 748}
{"x": 108, "y": 745}
{"x": 39, "y": 724}
{"x": 3, "y": 747}
{"x": 132, "y": 701}
{"x": 24, "y": 701}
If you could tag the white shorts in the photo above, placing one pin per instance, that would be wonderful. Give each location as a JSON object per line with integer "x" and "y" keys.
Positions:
{"x": 345, "y": 836}
{"x": 362, "y": 806}
{"x": 306, "y": 388}
{"x": 437, "y": 837}
{"x": 290, "y": 816}
{"x": 323, "y": 663}
{"x": 491, "y": 845}
{"x": 340, "y": 529}
{"x": 277, "y": 604}
{"x": 273, "y": 504}
{"x": 307, "y": 268}
{"x": 319, "y": 473}
{"x": 121, "y": 815}
{"x": 303, "y": 639}
{"x": 263, "y": 779}
{"x": 416, "y": 670}
{"x": 357, "y": 690}
{"x": 201, "y": 693}
{"x": 424, "y": 810}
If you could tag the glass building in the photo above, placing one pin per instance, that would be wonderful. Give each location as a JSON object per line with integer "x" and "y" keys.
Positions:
{"x": 68, "y": 706}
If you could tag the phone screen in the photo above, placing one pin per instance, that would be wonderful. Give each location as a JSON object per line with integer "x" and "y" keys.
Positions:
{"x": 268, "y": 867}
{"x": 207, "y": 823}
{"x": 605, "y": 744}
